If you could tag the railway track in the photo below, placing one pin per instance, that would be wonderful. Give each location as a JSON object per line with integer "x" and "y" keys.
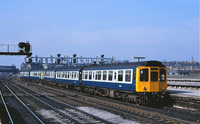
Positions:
{"x": 74, "y": 114}
{"x": 143, "y": 115}
{"x": 6, "y": 108}
{"x": 187, "y": 104}
{"x": 183, "y": 80}
{"x": 38, "y": 119}
{"x": 13, "y": 105}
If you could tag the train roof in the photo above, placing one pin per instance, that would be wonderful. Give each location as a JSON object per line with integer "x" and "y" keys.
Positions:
{"x": 108, "y": 66}
{"x": 24, "y": 70}
{"x": 49, "y": 69}
{"x": 70, "y": 69}
{"x": 126, "y": 65}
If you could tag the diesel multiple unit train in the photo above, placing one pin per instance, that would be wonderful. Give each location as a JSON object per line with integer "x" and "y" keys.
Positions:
{"x": 140, "y": 82}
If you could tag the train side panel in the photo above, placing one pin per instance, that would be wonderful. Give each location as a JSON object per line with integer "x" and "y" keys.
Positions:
{"x": 49, "y": 75}
{"x": 68, "y": 76}
{"x": 24, "y": 74}
{"x": 119, "y": 79}
{"x": 35, "y": 74}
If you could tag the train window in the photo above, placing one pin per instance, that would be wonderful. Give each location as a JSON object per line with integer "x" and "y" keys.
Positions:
{"x": 144, "y": 75}
{"x": 83, "y": 75}
{"x": 72, "y": 75}
{"x": 86, "y": 75}
{"x": 63, "y": 74}
{"x": 53, "y": 74}
{"x": 93, "y": 75}
{"x": 75, "y": 75}
{"x": 90, "y": 75}
{"x": 120, "y": 75}
{"x": 110, "y": 75}
{"x": 104, "y": 75}
{"x": 162, "y": 75}
{"x": 96, "y": 76}
{"x": 59, "y": 74}
{"x": 99, "y": 75}
{"x": 115, "y": 76}
{"x": 68, "y": 75}
{"x": 128, "y": 75}
{"x": 154, "y": 76}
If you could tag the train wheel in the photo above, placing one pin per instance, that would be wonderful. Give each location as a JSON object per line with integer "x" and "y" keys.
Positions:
{"x": 144, "y": 100}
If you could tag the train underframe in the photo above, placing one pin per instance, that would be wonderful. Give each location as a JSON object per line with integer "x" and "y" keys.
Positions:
{"x": 143, "y": 98}
{"x": 140, "y": 98}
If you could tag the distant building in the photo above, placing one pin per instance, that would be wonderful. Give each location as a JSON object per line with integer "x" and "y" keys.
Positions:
{"x": 27, "y": 66}
{"x": 9, "y": 69}
{"x": 182, "y": 67}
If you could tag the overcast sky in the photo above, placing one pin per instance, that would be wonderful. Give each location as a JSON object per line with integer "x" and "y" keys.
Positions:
{"x": 157, "y": 29}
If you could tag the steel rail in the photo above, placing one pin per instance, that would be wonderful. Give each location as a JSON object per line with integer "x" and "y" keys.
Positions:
{"x": 6, "y": 108}
{"x": 24, "y": 104}
{"x": 182, "y": 86}
{"x": 183, "y": 80}
{"x": 62, "y": 113}
{"x": 96, "y": 117}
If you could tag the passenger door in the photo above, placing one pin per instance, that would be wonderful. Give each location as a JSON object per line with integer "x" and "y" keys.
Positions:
{"x": 41, "y": 75}
{"x": 142, "y": 79}
{"x": 114, "y": 76}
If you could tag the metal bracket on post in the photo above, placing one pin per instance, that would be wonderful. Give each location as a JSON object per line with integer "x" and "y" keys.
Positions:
{"x": 139, "y": 58}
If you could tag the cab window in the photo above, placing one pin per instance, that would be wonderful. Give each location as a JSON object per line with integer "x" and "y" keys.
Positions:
{"x": 144, "y": 75}
{"x": 154, "y": 76}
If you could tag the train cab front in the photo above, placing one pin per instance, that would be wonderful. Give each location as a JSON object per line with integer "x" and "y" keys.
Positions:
{"x": 151, "y": 83}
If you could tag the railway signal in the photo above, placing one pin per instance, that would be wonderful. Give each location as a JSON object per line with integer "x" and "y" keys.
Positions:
{"x": 23, "y": 48}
